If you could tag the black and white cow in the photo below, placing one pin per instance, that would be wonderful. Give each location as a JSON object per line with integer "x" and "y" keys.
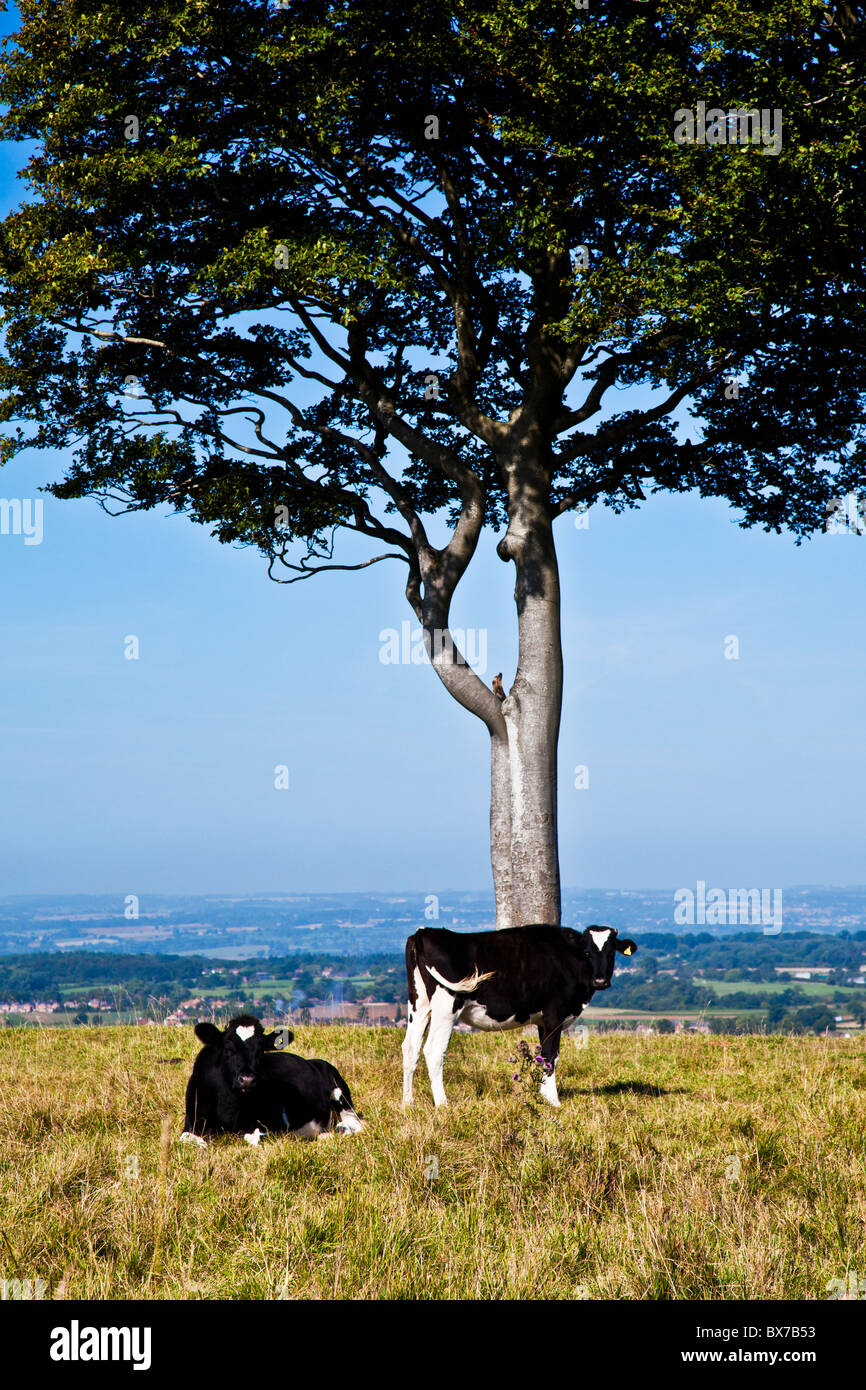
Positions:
{"x": 242, "y": 1083}
{"x": 501, "y": 979}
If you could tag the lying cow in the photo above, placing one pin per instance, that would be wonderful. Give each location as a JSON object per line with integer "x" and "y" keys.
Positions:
{"x": 242, "y": 1083}
{"x": 501, "y": 979}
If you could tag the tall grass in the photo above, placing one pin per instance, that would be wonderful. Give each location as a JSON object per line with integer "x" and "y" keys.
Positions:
{"x": 677, "y": 1168}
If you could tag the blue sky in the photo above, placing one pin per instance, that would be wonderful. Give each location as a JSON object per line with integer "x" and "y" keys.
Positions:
{"x": 158, "y": 774}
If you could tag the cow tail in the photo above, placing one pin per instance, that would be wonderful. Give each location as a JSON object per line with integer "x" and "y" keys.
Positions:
{"x": 465, "y": 986}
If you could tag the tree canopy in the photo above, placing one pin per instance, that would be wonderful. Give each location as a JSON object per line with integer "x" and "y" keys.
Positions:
{"x": 343, "y": 251}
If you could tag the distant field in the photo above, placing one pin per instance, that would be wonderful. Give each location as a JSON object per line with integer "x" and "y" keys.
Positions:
{"x": 810, "y": 987}
{"x": 591, "y": 1015}
{"x": 630, "y": 1191}
{"x": 238, "y": 953}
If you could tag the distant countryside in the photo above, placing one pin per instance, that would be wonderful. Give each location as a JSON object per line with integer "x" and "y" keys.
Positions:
{"x": 313, "y": 960}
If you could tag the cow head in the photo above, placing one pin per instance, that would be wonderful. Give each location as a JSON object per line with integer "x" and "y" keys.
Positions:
{"x": 241, "y": 1048}
{"x": 602, "y": 944}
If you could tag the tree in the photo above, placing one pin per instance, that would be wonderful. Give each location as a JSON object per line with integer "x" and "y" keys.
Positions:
{"x": 360, "y": 267}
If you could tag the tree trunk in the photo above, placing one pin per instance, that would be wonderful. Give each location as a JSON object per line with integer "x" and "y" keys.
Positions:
{"x": 500, "y": 828}
{"x": 533, "y": 713}
{"x": 524, "y": 728}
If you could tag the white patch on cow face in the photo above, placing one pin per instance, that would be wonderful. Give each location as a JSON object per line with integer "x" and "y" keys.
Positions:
{"x": 245, "y": 1033}
{"x": 600, "y": 937}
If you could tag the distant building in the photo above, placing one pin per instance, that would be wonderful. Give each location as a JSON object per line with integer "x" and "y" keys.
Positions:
{"x": 375, "y": 1013}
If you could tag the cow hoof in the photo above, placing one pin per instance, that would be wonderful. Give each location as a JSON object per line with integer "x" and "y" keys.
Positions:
{"x": 188, "y": 1138}
{"x": 255, "y": 1138}
{"x": 349, "y": 1123}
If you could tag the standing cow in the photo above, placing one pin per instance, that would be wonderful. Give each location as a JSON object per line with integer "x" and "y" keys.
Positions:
{"x": 501, "y": 979}
{"x": 242, "y": 1084}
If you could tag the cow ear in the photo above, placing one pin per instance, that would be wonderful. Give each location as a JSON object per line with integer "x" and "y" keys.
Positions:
{"x": 208, "y": 1033}
{"x": 627, "y": 947}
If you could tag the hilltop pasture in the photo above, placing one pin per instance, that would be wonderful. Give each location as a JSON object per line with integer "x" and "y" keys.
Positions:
{"x": 679, "y": 1167}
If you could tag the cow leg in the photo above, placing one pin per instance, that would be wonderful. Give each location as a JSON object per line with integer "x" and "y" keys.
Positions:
{"x": 419, "y": 1017}
{"x": 343, "y": 1117}
{"x": 548, "y": 1038}
{"x": 441, "y": 1027}
{"x": 194, "y": 1124}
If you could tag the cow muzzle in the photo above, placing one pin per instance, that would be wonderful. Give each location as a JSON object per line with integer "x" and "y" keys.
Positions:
{"x": 246, "y": 1083}
{"x": 601, "y": 984}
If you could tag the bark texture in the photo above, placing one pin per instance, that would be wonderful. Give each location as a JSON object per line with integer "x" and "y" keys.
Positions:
{"x": 524, "y": 728}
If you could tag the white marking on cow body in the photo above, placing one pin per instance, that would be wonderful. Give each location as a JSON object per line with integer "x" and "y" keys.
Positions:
{"x": 255, "y": 1138}
{"x": 464, "y": 986}
{"x": 311, "y": 1130}
{"x": 348, "y": 1123}
{"x": 336, "y": 1094}
{"x": 477, "y": 1016}
{"x": 547, "y": 1089}
{"x": 600, "y": 937}
{"x": 189, "y": 1138}
{"x": 245, "y": 1033}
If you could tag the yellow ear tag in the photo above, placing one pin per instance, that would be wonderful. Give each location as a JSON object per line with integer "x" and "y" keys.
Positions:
{"x": 628, "y": 950}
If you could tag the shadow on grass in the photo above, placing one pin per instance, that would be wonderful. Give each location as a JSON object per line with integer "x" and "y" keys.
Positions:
{"x": 621, "y": 1088}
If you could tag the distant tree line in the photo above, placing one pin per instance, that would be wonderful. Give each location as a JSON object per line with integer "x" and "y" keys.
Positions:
{"x": 661, "y": 979}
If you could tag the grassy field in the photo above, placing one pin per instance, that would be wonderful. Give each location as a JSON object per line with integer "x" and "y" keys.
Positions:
{"x": 811, "y": 988}
{"x": 677, "y": 1168}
